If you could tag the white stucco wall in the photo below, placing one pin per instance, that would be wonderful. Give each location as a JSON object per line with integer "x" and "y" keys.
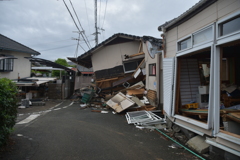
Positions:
{"x": 158, "y": 78}
{"x": 216, "y": 11}
{"x": 149, "y": 60}
{"x": 112, "y": 55}
{"x": 21, "y": 66}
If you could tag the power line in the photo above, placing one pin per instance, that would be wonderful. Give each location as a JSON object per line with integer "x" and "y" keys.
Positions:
{"x": 58, "y": 48}
{"x": 64, "y": 47}
{"x": 75, "y": 22}
{"x": 104, "y": 13}
{"x": 87, "y": 17}
{"x": 82, "y": 33}
{"x": 51, "y": 42}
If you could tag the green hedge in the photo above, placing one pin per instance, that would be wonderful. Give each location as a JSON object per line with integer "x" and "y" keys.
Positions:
{"x": 8, "y": 108}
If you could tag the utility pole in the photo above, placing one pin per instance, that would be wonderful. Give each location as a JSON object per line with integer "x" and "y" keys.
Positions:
{"x": 96, "y": 29}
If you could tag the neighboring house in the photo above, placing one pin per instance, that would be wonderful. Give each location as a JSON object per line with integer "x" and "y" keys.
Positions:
{"x": 201, "y": 48}
{"x": 115, "y": 60}
{"x": 18, "y": 65}
{"x": 83, "y": 77}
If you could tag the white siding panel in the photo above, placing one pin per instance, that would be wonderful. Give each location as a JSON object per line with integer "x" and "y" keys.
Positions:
{"x": 168, "y": 72}
{"x": 228, "y": 8}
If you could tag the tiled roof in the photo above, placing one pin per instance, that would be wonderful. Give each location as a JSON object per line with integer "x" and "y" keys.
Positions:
{"x": 109, "y": 40}
{"x": 198, "y": 7}
{"x": 11, "y": 45}
{"x": 85, "y": 59}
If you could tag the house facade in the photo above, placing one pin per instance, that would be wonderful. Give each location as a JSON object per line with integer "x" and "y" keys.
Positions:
{"x": 17, "y": 66}
{"x": 201, "y": 62}
{"x": 123, "y": 60}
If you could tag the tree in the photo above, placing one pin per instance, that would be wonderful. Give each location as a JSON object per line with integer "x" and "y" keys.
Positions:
{"x": 62, "y": 62}
{"x": 8, "y": 108}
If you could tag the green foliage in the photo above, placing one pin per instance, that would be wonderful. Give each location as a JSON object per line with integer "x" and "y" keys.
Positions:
{"x": 62, "y": 62}
{"x": 8, "y": 108}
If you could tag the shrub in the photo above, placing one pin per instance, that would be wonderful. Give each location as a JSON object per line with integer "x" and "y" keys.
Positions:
{"x": 8, "y": 108}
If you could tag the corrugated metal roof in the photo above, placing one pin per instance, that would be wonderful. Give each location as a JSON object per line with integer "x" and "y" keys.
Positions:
{"x": 198, "y": 7}
{"x": 11, "y": 45}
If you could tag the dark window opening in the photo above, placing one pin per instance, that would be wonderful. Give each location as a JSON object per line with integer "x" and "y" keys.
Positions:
{"x": 131, "y": 66}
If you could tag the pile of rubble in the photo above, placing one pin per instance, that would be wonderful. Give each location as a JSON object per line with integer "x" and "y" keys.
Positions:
{"x": 131, "y": 101}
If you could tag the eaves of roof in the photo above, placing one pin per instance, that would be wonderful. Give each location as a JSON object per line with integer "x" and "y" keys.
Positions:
{"x": 85, "y": 59}
{"x": 197, "y": 8}
{"x": 107, "y": 41}
{"x": 11, "y": 45}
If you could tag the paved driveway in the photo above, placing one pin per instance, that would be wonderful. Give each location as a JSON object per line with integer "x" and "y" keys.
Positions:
{"x": 67, "y": 132}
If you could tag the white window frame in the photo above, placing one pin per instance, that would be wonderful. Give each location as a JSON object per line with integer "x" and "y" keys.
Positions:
{"x": 205, "y": 42}
{"x": 194, "y": 48}
{"x": 229, "y": 37}
{"x": 187, "y": 119}
{"x": 219, "y": 41}
{"x": 186, "y": 37}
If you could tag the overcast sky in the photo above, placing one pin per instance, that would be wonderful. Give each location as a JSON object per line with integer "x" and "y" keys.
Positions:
{"x": 47, "y": 27}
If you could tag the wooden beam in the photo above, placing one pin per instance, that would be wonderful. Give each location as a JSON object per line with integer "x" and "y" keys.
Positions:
{"x": 139, "y": 66}
{"x": 111, "y": 79}
{"x": 231, "y": 134}
{"x": 137, "y": 54}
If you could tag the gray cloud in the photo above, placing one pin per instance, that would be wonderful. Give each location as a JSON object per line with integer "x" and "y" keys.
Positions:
{"x": 47, "y": 27}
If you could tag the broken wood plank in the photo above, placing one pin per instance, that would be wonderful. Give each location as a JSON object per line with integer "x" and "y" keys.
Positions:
{"x": 104, "y": 80}
{"x": 137, "y": 54}
{"x": 141, "y": 65}
{"x": 231, "y": 134}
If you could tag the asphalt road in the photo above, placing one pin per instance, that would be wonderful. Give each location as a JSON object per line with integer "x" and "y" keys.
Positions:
{"x": 70, "y": 133}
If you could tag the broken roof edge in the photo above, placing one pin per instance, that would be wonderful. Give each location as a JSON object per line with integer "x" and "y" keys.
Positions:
{"x": 195, "y": 9}
{"x": 108, "y": 40}
{"x": 156, "y": 41}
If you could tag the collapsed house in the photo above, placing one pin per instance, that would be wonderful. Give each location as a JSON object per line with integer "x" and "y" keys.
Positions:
{"x": 201, "y": 75}
{"x": 123, "y": 60}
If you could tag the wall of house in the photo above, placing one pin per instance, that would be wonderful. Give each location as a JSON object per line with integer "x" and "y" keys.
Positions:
{"x": 150, "y": 80}
{"x": 21, "y": 65}
{"x": 113, "y": 55}
{"x": 216, "y": 11}
{"x": 154, "y": 82}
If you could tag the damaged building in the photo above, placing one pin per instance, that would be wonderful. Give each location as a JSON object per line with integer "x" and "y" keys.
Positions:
{"x": 201, "y": 73}
{"x": 124, "y": 60}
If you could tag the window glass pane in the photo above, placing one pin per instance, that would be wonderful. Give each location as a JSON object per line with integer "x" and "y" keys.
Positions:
{"x": 203, "y": 36}
{"x": 184, "y": 44}
{"x": 152, "y": 69}
{"x": 230, "y": 26}
{"x": 1, "y": 64}
{"x": 11, "y": 67}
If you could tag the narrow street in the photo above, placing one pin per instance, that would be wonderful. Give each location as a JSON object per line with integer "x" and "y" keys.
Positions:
{"x": 68, "y": 132}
